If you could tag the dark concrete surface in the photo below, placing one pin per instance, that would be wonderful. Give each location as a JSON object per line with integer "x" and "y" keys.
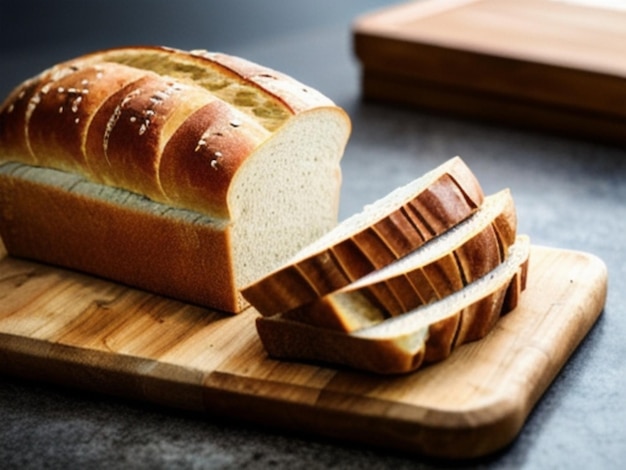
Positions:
{"x": 570, "y": 194}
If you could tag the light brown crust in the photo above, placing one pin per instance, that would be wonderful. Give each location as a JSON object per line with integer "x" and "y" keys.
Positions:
{"x": 435, "y": 209}
{"x": 132, "y": 127}
{"x": 16, "y": 109}
{"x": 201, "y": 158}
{"x": 58, "y": 125}
{"x": 516, "y": 287}
{"x": 156, "y": 253}
{"x": 12, "y": 122}
{"x": 103, "y": 168}
{"x": 282, "y": 95}
{"x": 295, "y": 341}
{"x": 479, "y": 319}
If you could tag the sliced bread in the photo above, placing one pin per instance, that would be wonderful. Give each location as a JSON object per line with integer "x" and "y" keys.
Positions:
{"x": 383, "y": 232}
{"x": 404, "y": 343}
{"x": 442, "y": 266}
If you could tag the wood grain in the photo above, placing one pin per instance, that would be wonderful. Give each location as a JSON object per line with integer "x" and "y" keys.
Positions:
{"x": 539, "y": 63}
{"x": 68, "y": 328}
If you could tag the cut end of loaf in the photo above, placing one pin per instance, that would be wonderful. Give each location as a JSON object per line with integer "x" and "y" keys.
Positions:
{"x": 277, "y": 196}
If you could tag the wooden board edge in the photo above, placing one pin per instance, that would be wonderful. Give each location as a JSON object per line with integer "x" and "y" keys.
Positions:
{"x": 493, "y": 108}
{"x": 439, "y": 434}
{"x": 397, "y": 426}
{"x": 264, "y": 403}
{"x": 107, "y": 373}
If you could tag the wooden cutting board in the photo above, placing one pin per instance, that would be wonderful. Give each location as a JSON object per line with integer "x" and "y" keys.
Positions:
{"x": 557, "y": 65}
{"x": 72, "y": 329}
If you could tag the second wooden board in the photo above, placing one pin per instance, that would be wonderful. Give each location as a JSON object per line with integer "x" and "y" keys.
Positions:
{"x": 550, "y": 64}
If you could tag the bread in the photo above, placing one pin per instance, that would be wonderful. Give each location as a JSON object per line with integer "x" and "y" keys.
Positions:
{"x": 189, "y": 174}
{"x": 405, "y": 343}
{"x": 383, "y": 232}
{"x": 439, "y": 268}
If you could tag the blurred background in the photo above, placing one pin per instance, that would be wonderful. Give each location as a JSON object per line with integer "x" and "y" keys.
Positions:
{"x": 35, "y": 34}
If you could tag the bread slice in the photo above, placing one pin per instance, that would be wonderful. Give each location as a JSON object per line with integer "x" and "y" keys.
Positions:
{"x": 404, "y": 343}
{"x": 383, "y": 232}
{"x": 189, "y": 174}
{"x": 442, "y": 266}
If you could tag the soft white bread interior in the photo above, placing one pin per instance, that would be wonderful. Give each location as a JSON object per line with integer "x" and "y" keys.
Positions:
{"x": 383, "y": 232}
{"x": 445, "y": 264}
{"x": 231, "y": 168}
{"x": 406, "y": 342}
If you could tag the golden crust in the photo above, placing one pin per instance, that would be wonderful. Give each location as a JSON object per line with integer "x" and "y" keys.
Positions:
{"x": 202, "y": 156}
{"x": 57, "y": 126}
{"x": 131, "y": 129}
{"x": 12, "y": 122}
{"x": 109, "y": 115}
{"x": 156, "y": 253}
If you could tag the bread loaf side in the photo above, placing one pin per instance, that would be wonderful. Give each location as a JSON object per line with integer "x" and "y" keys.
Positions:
{"x": 242, "y": 146}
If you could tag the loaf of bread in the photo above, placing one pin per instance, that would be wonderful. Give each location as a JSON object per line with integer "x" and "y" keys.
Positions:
{"x": 404, "y": 343}
{"x": 188, "y": 174}
{"x": 444, "y": 265}
{"x": 383, "y": 232}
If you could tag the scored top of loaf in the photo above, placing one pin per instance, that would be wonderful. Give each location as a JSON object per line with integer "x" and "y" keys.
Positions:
{"x": 267, "y": 95}
{"x": 172, "y": 125}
